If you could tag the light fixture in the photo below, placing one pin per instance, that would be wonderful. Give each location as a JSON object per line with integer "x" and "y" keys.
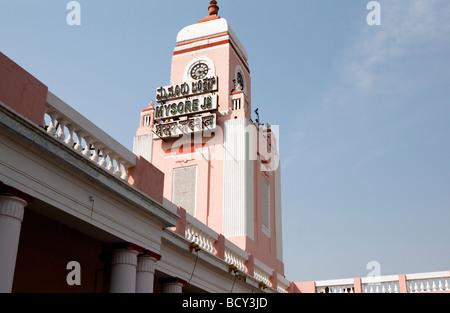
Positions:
{"x": 233, "y": 268}
{"x": 194, "y": 246}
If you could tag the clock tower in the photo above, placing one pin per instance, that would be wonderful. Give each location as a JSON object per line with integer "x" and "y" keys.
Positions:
{"x": 219, "y": 165}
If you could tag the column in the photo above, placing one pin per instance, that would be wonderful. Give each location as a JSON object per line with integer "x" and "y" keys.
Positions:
{"x": 123, "y": 271}
{"x": 172, "y": 285}
{"x": 11, "y": 216}
{"x": 146, "y": 272}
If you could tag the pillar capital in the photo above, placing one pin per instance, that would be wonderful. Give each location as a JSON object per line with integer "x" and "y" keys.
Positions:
{"x": 12, "y": 206}
{"x": 11, "y": 215}
{"x": 124, "y": 256}
{"x": 172, "y": 284}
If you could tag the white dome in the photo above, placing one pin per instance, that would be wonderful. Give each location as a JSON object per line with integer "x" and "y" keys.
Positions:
{"x": 209, "y": 29}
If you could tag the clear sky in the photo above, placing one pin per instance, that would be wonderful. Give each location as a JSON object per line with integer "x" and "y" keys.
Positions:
{"x": 363, "y": 111}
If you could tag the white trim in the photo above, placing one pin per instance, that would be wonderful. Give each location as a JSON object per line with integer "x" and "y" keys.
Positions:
{"x": 210, "y": 29}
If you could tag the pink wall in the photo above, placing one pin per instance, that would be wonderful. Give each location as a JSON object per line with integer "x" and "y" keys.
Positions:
{"x": 147, "y": 178}
{"x": 21, "y": 91}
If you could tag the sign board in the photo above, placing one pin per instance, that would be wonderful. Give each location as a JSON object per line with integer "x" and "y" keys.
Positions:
{"x": 186, "y": 108}
{"x": 186, "y": 126}
{"x": 199, "y": 104}
{"x": 187, "y": 89}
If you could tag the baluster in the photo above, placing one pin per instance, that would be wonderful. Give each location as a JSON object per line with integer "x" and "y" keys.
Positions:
{"x": 440, "y": 286}
{"x": 434, "y": 286}
{"x": 69, "y": 141}
{"x": 94, "y": 157}
{"x": 412, "y": 286}
{"x": 416, "y": 286}
{"x": 389, "y": 288}
{"x": 125, "y": 172}
{"x": 51, "y": 129}
{"x": 377, "y": 289}
{"x": 110, "y": 167}
{"x": 428, "y": 287}
{"x": 202, "y": 240}
{"x": 117, "y": 171}
{"x": 79, "y": 146}
{"x": 104, "y": 155}
{"x": 396, "y": 288}
{"x": 61, "y": 136}
{"x": 87, "y": 149}
{"x": 446, "y": 284}
{"x": 422, "y": 287}
{"x": 383, "y": 288}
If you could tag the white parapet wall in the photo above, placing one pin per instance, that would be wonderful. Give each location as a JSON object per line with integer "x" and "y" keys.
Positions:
{"x": 80, "y": 134}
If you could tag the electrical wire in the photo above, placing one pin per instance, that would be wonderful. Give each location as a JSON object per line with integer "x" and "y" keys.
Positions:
{"x": 195, "y": 265}
{"x": 233, "y": 283}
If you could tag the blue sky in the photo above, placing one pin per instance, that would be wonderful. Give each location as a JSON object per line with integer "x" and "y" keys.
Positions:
{"x": 363, "y": 111}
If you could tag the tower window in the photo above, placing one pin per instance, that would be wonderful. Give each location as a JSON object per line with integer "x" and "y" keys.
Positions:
{"x": 265, "y": 206}
{"x": 237, "y": 104}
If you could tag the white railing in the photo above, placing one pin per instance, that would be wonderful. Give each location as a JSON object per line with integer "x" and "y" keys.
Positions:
{"x": 283, "y": 284}
{"x": 262, "y": 272}
{"x": 74, "y": 130}
{"x": 412, "y": 283}
{"x": 428, "y": 282}
{"x": 235, "y": 255}
{"x": 200, "y": 234}
{"x": 335, "y": 286}
{"x": 380, "y": 284}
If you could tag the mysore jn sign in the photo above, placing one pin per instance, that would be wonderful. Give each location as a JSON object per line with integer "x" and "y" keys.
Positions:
{"x": 194, "y": 105}
{"x": 186, "y": 108}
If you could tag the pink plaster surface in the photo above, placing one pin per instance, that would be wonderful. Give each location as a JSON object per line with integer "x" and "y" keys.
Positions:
{"x": 21, "y": 91}
{"x": 147, "y": 178}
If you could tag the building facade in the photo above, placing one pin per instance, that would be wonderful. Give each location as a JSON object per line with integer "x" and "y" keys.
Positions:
{"x": 195, "y": 208}
{"x": 219, "y": 165}
{"x": 79, "y": 212}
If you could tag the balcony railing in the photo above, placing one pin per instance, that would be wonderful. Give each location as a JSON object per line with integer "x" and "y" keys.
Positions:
{"x": 433, "y": 282}
{"x": 76, "y": 132}
{"x": 213, "y": 243}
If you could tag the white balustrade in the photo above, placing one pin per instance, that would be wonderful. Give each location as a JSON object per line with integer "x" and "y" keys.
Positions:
{"x": 424, "y": 282}
{"x": 74, "y": 130}
{"x": 283, "y": 284}
{"x": 428, "y": 282}
{"x": 262, "y": 276}
{"x": 235, "y": 256}
{"x": 262, "y": 272}
{"x": 380, "y": 284}
{"x": 335, "y": 286}
{"x": 201, "y": 234}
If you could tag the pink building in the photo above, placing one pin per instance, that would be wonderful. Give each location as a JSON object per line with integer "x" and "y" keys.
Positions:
{"x": 219, "y": 165}
{"x": 195, "y": 208}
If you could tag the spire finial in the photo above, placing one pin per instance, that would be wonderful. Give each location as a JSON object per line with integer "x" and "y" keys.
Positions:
{"x": 213, "y": 8}
{"x": 213, "y": 12}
